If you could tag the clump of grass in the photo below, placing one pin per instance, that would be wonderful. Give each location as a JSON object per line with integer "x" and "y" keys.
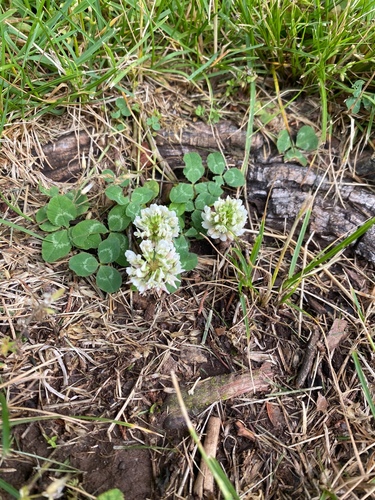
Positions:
{"x": 54, "y": 54}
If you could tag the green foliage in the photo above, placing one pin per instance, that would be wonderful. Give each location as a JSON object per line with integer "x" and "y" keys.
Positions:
{"x": 87, "y": 234}
{"x": 194, "y": 169}
{"x": 199, "y": 111}
{"x": 153, "y": 122}
{"x": 65, "y": 233}
{"x": 122, "y": 110}
{"x": 115, "y": 193}
{"x": 142, "y": 195}
{"x": 83, "y": 264}
{"x": 122, "y": 242}
{"x": 56, "y": 246}
{"x": 103, "y": 49}
{"x": 364, "y": 383}
{"x": 98, "y": 246}
{"x": 61, "y": 210}
{"x": 117, "y": 218}
{"x": 306, "y": 141}
{"x": 202, "y": 190}
{"x": 288, "y": 287}
{"x": 5, "y": 425}
{"x": 181, "y": 193}
{"x": 359, "y": 99}
{"x": 116, "y": 185}
{"x": 114, "y": 494}
{"x": 189, "y": 260}
{"x": 108, "y": 251}
{"x": 108, "y": 279}
{"x": 9, "y": 489}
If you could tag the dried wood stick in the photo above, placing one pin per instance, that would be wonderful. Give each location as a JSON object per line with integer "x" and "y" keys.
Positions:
{"x": 218, "y": 388}
{"x": 204, "y": 483}
{"x": 308, "y": 359}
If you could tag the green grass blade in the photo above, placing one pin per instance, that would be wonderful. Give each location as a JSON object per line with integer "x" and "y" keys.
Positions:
{"x": 20, "y": 228}
{"x": 297, "y": 250}
{"x": 364, "y": 384}
{"x": 329, "y": 254}
{"x": 243, "y": 267}
{"x": 245, "y": 317}
{"x": 225, "y": 486}
{"x": 15, "y": 208}
{"x": 202, "y": 67}
{"x": 258, "y": 242}
{"x": 5, "y": 427}
{"x": 9, "y": 489}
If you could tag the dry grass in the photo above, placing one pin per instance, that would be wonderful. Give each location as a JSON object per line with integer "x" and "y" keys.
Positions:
{"x": 88, "y": 354}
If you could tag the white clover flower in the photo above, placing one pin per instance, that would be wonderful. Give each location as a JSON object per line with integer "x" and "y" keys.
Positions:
{"x": 225, "y": 220}
{"x": 158, "y": 265}
{"x": 157, "y": 223}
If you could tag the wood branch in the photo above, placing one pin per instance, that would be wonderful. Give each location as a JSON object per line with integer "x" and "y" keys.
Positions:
{"x": 204, "y": 484}
{"x": 214, "y": 389}
{"x": 201, "y": 137}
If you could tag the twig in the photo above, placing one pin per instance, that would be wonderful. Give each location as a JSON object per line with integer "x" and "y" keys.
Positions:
{"x": 308, "y": 359}
{"x": 205, "y": 480}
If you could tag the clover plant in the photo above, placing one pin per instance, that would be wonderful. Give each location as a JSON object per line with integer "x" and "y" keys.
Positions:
{"x": 306, "y": 141}
{"x": 121, "y": 112}
{"x": 99, "y": 247}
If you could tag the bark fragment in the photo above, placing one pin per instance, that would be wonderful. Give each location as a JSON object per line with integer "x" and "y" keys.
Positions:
{"x": 331, "y": 218}
{"x": 61, "y": 160}
{"x": 214, "y": 389}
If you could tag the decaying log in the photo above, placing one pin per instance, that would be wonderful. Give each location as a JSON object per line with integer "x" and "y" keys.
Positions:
{"x": 61, "y": 160}
{"x": 219, "y": 388}
{"x": 334, "y": 214}
{"x": 202, "y": 138}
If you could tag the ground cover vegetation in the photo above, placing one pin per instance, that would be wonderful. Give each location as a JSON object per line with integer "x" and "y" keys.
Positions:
{"x": 137, "y": 279}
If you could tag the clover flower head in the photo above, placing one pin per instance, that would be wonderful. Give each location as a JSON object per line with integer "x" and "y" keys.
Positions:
{"x": 158, "y": 265}
{"x": 157, "y": 223}
{"x": 225, "y": 220}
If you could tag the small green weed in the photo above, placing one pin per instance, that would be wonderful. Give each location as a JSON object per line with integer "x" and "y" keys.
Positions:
{"x": 153, "y": 122}
{"x": 359, "y": 98}
{"x": 306, "y": 141}
{"x": 200, "y": 111}
{"x": 114, "y": 494}
{"x": 7, "y": 346}
{"x": 122, "y": 111}
{"x": 51, "y": 440}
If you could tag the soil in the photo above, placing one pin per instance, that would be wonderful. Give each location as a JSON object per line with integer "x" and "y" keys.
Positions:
{"x": 92, "y": 462}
